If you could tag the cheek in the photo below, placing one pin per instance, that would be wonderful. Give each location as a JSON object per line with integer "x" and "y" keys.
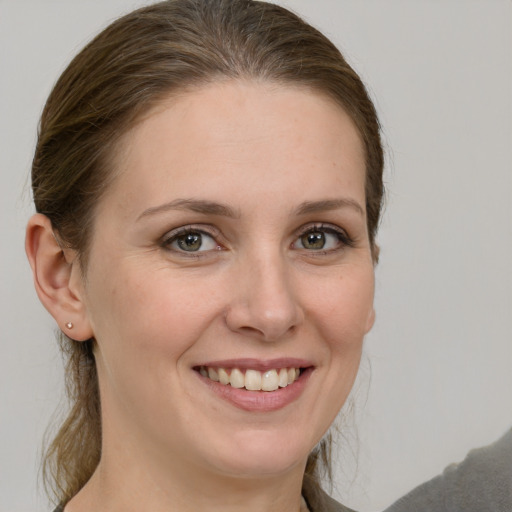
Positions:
{"x": 141, "y": 317}
{"x": 145, "y": 324}
{"x": 343, "y": 307}
{"x": 339, "y": 312}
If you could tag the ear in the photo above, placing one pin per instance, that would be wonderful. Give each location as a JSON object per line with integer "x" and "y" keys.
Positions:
{"x": 370, "y": 321}
{"x": 57, "y": 278}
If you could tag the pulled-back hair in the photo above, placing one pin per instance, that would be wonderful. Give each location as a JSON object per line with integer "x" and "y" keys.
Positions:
{"x": 133, "y": 64}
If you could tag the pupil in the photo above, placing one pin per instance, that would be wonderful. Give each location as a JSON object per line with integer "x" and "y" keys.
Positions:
{"x": 190, "y": 242}
{"x": 313, "y": 241}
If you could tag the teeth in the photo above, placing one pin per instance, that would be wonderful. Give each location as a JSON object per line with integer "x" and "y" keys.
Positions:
{"x": 223, "y": 376}
{"x": 283, "y": 377}
{"x": 270, "y": 381}
{"x": 252, "y": 380}
{"x": 237, "y": 378}
{"x": 212, "y": 373}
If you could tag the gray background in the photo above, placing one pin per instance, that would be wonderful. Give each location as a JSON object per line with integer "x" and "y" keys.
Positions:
{"x": 437, "y": 378}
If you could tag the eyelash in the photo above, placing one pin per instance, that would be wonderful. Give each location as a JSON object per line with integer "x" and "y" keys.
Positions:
{"x": 169, "y": 238}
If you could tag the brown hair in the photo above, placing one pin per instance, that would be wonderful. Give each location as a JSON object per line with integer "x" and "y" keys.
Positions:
{"x": 135, "y": 62}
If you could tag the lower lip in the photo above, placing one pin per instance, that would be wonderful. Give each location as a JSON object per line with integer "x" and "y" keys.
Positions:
{"x": 259, "y": 401}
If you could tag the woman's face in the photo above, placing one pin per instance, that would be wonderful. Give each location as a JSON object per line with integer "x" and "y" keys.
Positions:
{"x": 233, "y": 245}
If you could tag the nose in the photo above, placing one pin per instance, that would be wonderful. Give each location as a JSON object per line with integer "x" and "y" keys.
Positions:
{"x": 264, "y": 304}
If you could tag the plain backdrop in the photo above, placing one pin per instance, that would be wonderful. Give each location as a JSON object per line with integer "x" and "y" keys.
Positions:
{"x": 436, "y": 379}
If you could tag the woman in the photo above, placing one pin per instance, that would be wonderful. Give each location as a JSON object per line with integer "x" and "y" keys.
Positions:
{"x": 208, "y": 182}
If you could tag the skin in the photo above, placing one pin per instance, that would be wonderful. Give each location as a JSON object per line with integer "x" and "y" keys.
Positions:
{"x": 253, "y": 290}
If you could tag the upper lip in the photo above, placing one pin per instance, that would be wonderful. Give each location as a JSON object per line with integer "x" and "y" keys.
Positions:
{"x": 258, "y": 364}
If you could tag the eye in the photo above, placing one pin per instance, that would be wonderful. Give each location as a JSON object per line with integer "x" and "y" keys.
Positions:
{"x": 190, "y": 240}
{"x": 322, "y": 238}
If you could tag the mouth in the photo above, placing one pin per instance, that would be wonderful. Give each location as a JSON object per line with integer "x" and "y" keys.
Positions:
{"x": 252, "y": 379}
{"x": 254, "y": 385}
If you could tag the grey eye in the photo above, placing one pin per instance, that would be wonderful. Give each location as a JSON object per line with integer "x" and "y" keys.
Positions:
{"x": 193, "y": 241}
{"x": 315, "y": 240}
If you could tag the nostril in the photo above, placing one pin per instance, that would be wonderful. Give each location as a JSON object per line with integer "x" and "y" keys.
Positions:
{"x": 250, "y": 330}
{"x": 269, "y": 334}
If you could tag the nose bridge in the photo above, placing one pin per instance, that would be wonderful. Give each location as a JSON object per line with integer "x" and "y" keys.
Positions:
{"x": 265, "y": 303}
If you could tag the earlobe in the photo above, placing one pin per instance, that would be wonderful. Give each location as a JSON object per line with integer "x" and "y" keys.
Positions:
{"x": 56, "y": 276}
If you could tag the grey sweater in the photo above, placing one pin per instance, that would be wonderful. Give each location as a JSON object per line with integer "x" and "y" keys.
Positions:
{"x": 480, "y": 483}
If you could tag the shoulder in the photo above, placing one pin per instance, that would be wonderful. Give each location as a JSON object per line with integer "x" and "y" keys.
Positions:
{"x": 318, "y": 500}
{"x": 482, "y": 481}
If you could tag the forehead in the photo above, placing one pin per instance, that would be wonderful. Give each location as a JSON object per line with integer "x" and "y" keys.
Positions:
{"x": 243, "y": 134}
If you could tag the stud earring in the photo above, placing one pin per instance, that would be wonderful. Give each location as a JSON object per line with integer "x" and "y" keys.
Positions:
{"x": 69, "y": 325}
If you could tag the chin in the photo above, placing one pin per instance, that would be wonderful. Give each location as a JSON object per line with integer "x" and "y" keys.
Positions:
{"x": 262, "y": 454}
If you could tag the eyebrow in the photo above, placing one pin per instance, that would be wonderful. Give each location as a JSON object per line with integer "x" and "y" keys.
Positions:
{"x": 329, "y": 204}
{"x": 213, "y": 208}
{"x": 194, "y": 205}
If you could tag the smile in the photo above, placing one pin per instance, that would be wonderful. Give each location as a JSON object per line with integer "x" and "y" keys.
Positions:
{"x": 251, "y": 379}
